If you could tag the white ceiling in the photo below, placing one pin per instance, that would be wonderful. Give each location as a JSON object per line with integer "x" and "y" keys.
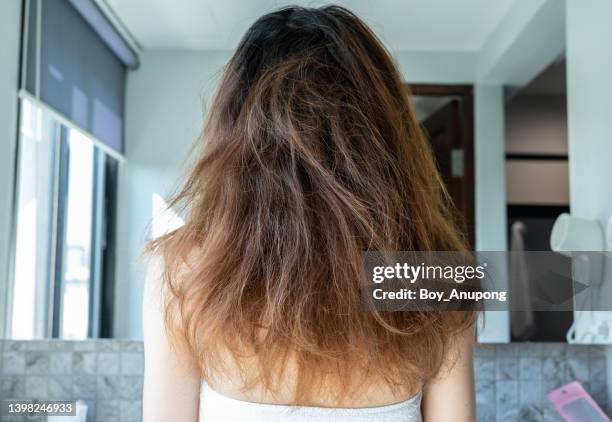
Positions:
{"x": 422, "y": 25}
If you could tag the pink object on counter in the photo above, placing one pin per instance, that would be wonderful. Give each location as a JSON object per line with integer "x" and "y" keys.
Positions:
{"x": 575, "y": 404}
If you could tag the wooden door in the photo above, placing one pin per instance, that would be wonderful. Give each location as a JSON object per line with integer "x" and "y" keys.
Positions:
{"x": 449, "y": 131}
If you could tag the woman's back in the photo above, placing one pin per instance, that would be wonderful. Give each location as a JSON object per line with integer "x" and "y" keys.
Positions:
{"x": 369, "y": 391}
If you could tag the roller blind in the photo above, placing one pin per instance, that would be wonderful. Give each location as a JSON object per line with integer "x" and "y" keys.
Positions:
{"x": 72, "y": 69}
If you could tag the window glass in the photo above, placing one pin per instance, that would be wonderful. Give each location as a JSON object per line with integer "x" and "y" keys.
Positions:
{"x": 77, "y": 245}
{"x": 60, "y": 232}
{"x": 34, "y": 212}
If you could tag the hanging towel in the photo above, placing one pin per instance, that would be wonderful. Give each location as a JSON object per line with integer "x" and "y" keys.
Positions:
{"x": 522, "y": 323}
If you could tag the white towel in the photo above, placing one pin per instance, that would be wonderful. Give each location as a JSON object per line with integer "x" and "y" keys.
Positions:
{"x": 522, "y": 323}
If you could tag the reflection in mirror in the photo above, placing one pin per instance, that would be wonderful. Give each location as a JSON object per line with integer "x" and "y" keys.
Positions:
{"x": 163, "y": 218}
{"x": 64, "y": 244}
{"x": 75, "y": 257}
{"x": 60, "y": 232}
{"x": 537, "y": 188}
{"x": 28, "y": 297}
{"x": 446, "y": 115}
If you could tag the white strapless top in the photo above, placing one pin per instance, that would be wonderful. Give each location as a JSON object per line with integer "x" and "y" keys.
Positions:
{"x": 215, "y": 407}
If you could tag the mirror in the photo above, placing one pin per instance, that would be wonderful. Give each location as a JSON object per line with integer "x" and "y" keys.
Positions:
{"x": 537, "y": 183}
{"x": 493, "y": 101}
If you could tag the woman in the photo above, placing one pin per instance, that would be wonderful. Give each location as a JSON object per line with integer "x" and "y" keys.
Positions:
{"x": 312, "y": 155}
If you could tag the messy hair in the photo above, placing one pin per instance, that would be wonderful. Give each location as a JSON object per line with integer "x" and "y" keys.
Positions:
{"x": 311, "y": 155}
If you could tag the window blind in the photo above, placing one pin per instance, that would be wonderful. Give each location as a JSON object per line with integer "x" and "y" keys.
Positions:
{"x": 74, "y": 70}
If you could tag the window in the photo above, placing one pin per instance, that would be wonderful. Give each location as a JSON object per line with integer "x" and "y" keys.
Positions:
{"x": 64, "y": 198}
{"x": 34, "y": 211}
{"x": 72, "y": 91}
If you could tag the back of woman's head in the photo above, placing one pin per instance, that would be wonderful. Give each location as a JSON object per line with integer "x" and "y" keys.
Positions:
{"x": 311, "y": 155}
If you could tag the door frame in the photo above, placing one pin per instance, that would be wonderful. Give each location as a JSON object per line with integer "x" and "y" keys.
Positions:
{"x": 466, "y": 94}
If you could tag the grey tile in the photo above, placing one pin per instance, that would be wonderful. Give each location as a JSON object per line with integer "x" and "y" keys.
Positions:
{"x": 131, "y": 346}
{"x": 132, "y": 363}
{"x": 13, "y": 362}
{"x": 39, "y": 345}
{"x": 530, "y": 368}
{"x": 12, "y": 386}
{"x": 108, "y": 363}
{"x": 531, "y": 350}
{"x": 60, "y": 363}
{"x": 130, "y": 411}
{"x": 60, "y": 387}
{"x": 508, "y": 350}
{"x": 597, "y": 368}
{"x": 596, "y": 351}
{"x": 61, "y": 345}
{"x": 37, "y": 362}
{"x": 599, "y": 391}
{"x": 484, "y": 368}
{"x": 84, "y": 387}
{"x": 554, "y": 369}
{"x": 85, "y": 346}
{"x": 484, "y": 350}
{"x": 507, "y": 413}
{"x": 506, "y": 394}
{"x": 130, "y": 388}
{"x": 485, "y": 391}
{"x": 577, "y": 351}
{"x": 507, "y": 368}
{"x": 553, "y": 349}
{"x": 107, "y": 410}
{"x": 485, "y": 413}
{"x": 531, "y": 413}
{"x": 36, "y": 387}
{"x": 108, "y": 346}
{"x": 108, "y": 387}
{"x": 84, "y": 363}
{"x": 530, "y": 392}
{"x": 15, "y": 346}
{"x": 577, "y": 369}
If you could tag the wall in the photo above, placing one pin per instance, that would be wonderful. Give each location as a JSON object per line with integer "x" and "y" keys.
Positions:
{"x": 525, "y": 42}
{"x": 10, "y": 24}
{"x": 164, "y": 108}
{"x": 450, "y": 67}
{"x": 537, "y": 125}
{"x": 106, "y": 375}
{"x": 511, "y": 380}
{"x": 490, "y": 178}
{"x": 490, "y": 201}
{"x": 589, "y": 101}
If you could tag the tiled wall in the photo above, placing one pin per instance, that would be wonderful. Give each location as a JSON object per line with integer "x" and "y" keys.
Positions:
{"x": 511, "y": 379}
{"x": 106, "y": 374}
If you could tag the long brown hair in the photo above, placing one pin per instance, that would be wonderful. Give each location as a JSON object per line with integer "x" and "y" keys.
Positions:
{"x": 310, "y": 156}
